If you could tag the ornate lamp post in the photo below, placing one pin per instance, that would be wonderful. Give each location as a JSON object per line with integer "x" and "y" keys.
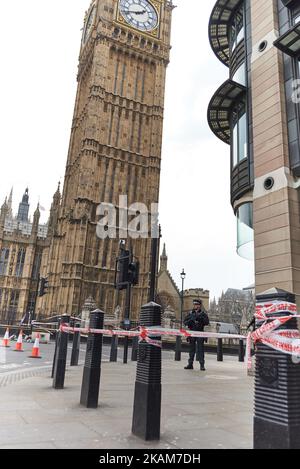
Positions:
{"x": 178, "y": 338}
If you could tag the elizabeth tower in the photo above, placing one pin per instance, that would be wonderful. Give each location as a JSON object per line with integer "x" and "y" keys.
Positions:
{"x": 115, "y": 149}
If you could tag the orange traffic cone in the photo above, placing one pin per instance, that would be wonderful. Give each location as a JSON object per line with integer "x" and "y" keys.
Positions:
{"x": 19, "y": 344}
{"x": 5, "y": 341}
{"x": 36, "y": 348}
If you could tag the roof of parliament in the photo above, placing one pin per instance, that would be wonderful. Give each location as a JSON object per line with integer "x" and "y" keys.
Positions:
{"x": 21, "y": 221}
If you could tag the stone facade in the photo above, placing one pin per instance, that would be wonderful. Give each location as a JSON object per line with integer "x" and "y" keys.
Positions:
{"x": 22, "y": 244}
{"x": 194, "y": 294}
{"x": 169, "y": 295}
{"x": 234, "y": 307}
{"x": 115, "y": 149}
{"x": 276, "y": 212}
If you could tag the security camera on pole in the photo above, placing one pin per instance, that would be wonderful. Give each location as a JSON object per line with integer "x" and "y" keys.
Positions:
{"x": 126, "y": 276}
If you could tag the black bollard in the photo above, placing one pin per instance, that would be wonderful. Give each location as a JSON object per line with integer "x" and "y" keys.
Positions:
{"x": 55, "y": 353}
{"x": 277, "y": 388}
{"x": 92, "y": 368}
{"x": 125, "y": 354}
{"x": 61, "y": 356}
{"x": 55, "y": 350}
{"x": 114, "y": 349}
{"x": 178, "y": 349}
{"x": 75, "y": 348}
{"x": 72, "y": 324}
{"x": 241, "y": 351}
{"x": 127, "y": 327}
{"x": 134, "y": 350}
{"x": 220, "y": 350}
{"x": 147, "y": 396}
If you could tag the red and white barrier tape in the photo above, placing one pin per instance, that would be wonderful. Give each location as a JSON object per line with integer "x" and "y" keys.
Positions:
{"x": 263, "y": 310}
{"x": 285, "y": 341}
{"x": 143, "y": 336}
{"x": 145, "y": 333}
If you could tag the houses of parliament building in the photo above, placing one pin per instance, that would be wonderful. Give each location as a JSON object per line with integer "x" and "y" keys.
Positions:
{"x": 22, "y": 245}
{"x": 115, "y": 149}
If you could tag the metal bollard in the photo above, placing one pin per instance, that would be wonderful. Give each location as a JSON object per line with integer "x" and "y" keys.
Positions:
{"x": 55, "y": 350}
{"x": 277, "y": 387}
{"x": 61, "y": 356}
{"x": 147, "y": 396}
{"x": 134, "y": 350}
{"x": 92, "y": 368}
{"x": 114, "y": 349}
{"x": 72, "y": 324}
{"x": 220, "y": 350}
{"x": 75, "y": 348}
{"x": 241, "y": 351}
{"x": 178, "y": 349}
{"x": 125, "y": 354}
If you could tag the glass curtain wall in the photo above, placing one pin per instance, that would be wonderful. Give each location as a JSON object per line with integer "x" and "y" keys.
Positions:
{"x": 245, "y": 234}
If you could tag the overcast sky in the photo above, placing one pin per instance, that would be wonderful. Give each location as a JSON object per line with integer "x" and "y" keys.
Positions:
{"x": 39, "y": 54}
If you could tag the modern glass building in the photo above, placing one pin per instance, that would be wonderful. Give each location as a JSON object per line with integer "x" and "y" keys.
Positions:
{"x": 256, "y": 112}
{"x": 229, "y": 113}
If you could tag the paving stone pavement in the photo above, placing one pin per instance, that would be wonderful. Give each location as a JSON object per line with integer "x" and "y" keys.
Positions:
{"x": 212, "y": 409}
{"x": 14, "y": 376}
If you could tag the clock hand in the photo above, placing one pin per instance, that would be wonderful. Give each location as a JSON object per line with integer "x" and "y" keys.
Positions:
{"x": 139, "y": 12}
{"x": 136, "y": 12}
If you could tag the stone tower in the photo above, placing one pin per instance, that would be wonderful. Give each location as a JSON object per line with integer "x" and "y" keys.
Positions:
{"x": 9, "y": 204}
{"x": 164, "y": 259}
{"x": 24, "y": 207}
{"x": 115, "y": 149}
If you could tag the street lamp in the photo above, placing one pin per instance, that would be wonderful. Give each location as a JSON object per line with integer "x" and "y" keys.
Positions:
{"x": 182, "y": 275}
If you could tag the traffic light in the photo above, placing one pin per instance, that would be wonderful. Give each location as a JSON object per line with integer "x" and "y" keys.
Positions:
{"x": 133, "y": 273}
{"x": 127, "y": 272}
{"x": 43, "y": 286}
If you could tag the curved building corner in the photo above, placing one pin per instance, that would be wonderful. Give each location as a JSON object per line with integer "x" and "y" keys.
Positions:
{"x": 257, "y": 113}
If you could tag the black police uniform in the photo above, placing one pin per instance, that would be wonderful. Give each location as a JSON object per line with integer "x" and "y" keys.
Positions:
{"x": 196, "y": 321}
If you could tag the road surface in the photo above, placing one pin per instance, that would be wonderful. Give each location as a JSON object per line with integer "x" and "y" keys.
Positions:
{"x": 11, "y": 361}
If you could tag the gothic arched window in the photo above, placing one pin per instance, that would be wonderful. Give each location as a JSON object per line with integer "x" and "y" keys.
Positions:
{"x": 20, "y": 262}
{"x": 4, "y": 255}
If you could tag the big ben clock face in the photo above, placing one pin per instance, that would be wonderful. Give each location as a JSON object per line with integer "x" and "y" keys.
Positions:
{"x": 139, "y": 14}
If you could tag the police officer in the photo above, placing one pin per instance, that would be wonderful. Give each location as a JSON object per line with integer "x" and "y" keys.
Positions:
{"x": 196, "y": 320}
